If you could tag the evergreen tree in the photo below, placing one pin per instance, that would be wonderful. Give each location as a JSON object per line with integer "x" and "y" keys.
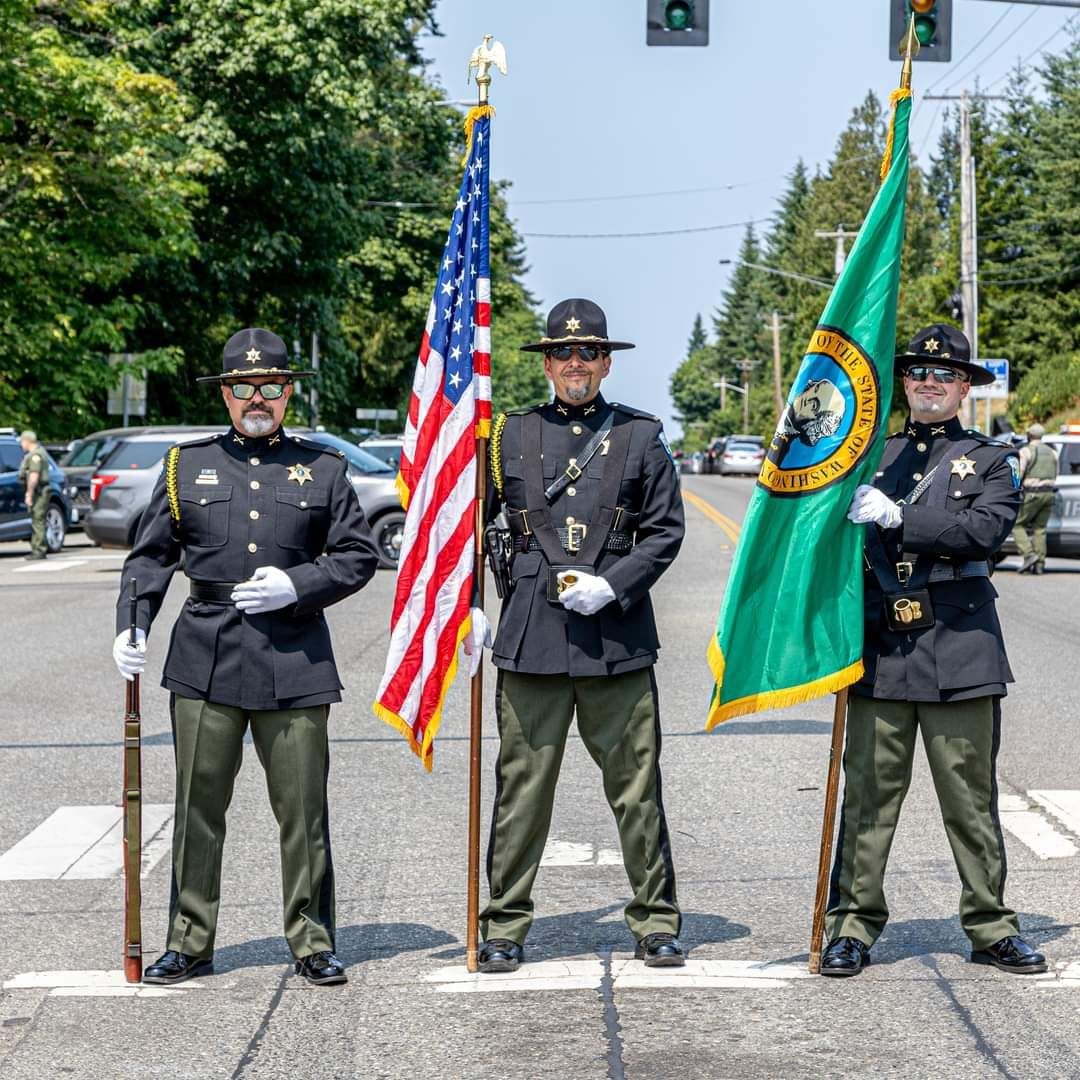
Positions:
{"x": 698, "y": 339}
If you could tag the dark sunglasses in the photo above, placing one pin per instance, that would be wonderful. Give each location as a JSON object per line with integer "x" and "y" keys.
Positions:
{"x": 586, "y": 352}
{"x": 244, "y": 391}
{"x": 919, "y": 373}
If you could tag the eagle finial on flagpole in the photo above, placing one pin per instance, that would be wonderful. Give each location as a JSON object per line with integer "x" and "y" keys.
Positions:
{"x": 489, "y": 52}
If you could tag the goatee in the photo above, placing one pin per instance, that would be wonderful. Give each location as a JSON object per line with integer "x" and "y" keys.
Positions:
{"x": 256, "y": 424}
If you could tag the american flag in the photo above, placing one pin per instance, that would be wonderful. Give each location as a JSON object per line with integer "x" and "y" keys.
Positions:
{"x": 449, "y": 409}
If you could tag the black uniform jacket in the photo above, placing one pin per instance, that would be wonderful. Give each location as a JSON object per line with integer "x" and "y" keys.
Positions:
{"x": 243, "y": 503}
{"x": 949, "y": 536}
{"x": 541, "y": 637}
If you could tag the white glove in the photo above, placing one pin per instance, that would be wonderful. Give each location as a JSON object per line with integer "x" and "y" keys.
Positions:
{"x": 268, "y": 589}
{"x": 872, "y": 505}
{"x": 130, "y": 659}
{"x": 587, "y": 595}
{"x": 477, "y": 639}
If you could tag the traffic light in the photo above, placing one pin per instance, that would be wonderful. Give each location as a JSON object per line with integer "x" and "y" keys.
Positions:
{"x": 677, "y": 22}
{"x": 933, "y": 28}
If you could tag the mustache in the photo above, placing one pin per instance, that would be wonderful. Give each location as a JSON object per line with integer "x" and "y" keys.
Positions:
{"x": 257, "y": 409}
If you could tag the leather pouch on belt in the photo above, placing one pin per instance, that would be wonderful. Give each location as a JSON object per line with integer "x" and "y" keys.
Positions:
{"x": 557, "y": 587}
{"x": 909, "y": 610}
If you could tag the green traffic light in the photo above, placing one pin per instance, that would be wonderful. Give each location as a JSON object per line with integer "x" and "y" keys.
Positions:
{"x": 925, "y": 28}
{"x": 679, "y": 15}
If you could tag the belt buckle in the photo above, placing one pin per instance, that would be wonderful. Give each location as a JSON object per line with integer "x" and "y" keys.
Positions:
{"x": 904, "y": 571}
{"x": 575, "y": 537}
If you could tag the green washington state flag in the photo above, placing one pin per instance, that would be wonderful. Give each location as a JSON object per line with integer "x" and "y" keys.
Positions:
{"x": 791, "y": 623}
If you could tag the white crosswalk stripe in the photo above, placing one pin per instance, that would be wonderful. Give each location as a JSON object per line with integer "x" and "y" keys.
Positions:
{"x": 85, "y": 842}
{"x": 573, "y": 853}
{"x": 91, "y": 984}
{"x": 1025, "y": 819}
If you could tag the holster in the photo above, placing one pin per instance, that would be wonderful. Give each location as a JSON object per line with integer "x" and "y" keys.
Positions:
{"x": 498, "y": 544}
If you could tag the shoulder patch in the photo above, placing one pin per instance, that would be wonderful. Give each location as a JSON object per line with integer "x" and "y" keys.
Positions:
{"x": 640, "y": 414}
{"x": 35, "y": 459}
{"x": 662, "y": 438}
{"x": 1014, "y": 469}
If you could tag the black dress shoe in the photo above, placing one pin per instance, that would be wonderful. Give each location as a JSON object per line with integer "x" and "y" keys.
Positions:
{"x": 1011, "y": 954}
{"x": 660, "y": 950}
{"x": 33, "y": 558}
{"x": 322, "y": 969}
{"x": 501, "y": 954}
{"x": 175, "y": 967}
{"x": 1029, "y": 564}
{"x": 845, "y": 956}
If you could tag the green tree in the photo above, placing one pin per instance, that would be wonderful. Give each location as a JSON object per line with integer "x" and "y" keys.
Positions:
{"x": 698, "y": 337}
{"x": 95, "y": 182}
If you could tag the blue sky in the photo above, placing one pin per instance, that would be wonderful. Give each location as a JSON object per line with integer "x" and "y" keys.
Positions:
{"x": 588, "y": 110}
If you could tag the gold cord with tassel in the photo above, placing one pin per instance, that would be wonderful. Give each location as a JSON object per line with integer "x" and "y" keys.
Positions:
{"x": 477, "y": 112}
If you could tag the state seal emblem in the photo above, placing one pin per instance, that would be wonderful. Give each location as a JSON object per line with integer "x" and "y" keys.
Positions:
{"x": 831, "y": 418}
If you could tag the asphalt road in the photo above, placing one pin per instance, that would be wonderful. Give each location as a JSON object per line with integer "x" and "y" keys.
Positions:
{"x": 744, "y": 806}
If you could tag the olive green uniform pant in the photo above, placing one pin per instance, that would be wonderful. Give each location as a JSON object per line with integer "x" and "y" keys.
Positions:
{"x": 1034, "y": 514}
{"x": 961, "y": 740}
{"x": 619, "y": 722}
{"x": 292, "y": 746}
{"x": 38, "y": 509}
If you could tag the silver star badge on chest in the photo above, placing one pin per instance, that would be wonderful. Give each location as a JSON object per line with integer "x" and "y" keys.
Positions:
{"x": 301, "y": 474}
{"x": 962, "y": 466}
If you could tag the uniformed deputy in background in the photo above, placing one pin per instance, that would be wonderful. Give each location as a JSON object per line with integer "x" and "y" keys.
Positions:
{"x": 1038, "y": 478}
{"x": 595, "y": 514}
{"x": 934, "y": 659}
{"x": 34, "y": 473}
{"x": 271, "y": 533}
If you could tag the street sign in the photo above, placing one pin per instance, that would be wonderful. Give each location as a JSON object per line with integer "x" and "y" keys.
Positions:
{"x": 128, "y": 397}
{"x": 376, "y": 414}
{"x": 999, "y": 388}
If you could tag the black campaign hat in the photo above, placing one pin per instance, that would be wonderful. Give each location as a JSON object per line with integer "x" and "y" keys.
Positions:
{"x": 944, "y": 346}
{"x": 576, "y": 322}
{"x": 253, "y": 351}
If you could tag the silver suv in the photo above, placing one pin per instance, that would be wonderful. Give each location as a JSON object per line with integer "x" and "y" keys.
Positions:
{"x": 120, "y": 489}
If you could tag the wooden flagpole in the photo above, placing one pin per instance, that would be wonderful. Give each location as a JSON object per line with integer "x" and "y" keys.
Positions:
{"x": 832, "y": 785}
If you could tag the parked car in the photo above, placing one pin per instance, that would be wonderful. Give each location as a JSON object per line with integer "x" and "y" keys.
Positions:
{"x": 385, "y": 447}
{"x": 1063, "y": 528}
{"x": 121, "y": 485}
{"x": 14, "y": 513}
{"x": 375, "y": 484}
{"x": 80, "y": 462}
{"x": 714, "y": 451}
{"x": 741, "y": 458}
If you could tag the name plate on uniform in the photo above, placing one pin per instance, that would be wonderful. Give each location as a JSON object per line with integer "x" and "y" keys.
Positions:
{"x": 909, "y": 610}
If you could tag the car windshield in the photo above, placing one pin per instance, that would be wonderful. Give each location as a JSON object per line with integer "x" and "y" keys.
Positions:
{"x": 1068, "y": 459}
{"x": 359, "y": 460}
{"x": 90, "y": 452}
{"x": 138, "y": 455}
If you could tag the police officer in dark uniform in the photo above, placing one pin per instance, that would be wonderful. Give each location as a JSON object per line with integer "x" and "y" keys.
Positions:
{"x": 595, "y": 517}
{"x": 271, "y": 533}
{"x": 942, "y": 504}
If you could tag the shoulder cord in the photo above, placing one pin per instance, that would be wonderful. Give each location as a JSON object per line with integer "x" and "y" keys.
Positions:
{"x": 495, "y": 452}
{"x": 172, "y": 492}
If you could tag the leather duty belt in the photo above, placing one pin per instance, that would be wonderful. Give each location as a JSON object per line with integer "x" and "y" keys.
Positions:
{"x": 572, "y": 538}
{"x": 213, "y": 592}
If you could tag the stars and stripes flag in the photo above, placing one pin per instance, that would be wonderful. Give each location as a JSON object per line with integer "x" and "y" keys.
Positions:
{"x": 450, "y": 407}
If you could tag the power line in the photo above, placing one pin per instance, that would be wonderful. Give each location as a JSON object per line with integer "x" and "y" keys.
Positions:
{"x": 1039, "y": 48}
{"x": 988, "y": 281}
{"x": 971, "y": 52}
{"x": 657, "y": 232}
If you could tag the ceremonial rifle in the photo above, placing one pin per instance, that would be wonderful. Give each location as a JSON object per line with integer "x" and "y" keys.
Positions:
{"x": 132, "y": 818}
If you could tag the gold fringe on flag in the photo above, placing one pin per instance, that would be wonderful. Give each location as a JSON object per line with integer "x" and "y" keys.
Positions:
{"x": 895, "y": 98}
{"x": 773, "y": 699}
{"x": 477, "y": 112}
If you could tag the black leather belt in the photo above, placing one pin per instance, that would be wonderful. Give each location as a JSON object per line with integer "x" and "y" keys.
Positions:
{"x": 571, "y": 540}
{"x": 214, "y": 592}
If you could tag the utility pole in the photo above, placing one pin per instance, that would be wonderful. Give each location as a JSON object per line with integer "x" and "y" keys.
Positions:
{"x": 313, "y": 393}
{"x": 773, "y": 322}
{"x": 840, "y": 235}
{"x": 969, "y": 229}
{"x": 746, "y": 365}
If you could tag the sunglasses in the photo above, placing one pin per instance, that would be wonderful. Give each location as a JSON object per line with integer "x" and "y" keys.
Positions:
{"x": 244, "y": 391}
{"x": 586, "y": 352}
{"x": 919, "y": 373}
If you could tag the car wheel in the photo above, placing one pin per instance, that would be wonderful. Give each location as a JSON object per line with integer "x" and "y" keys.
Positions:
{"x": 55, "y": 528}
{"x": 389, "y": 532}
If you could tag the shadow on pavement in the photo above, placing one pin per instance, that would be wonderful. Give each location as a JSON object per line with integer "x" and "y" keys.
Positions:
{"x": 355, "y": 944}
{"x": 771, "y": 727}
{"x": 584, "y": 932}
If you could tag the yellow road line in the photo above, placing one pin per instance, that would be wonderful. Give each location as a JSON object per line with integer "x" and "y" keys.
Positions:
{"x": 728, "y": 525}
